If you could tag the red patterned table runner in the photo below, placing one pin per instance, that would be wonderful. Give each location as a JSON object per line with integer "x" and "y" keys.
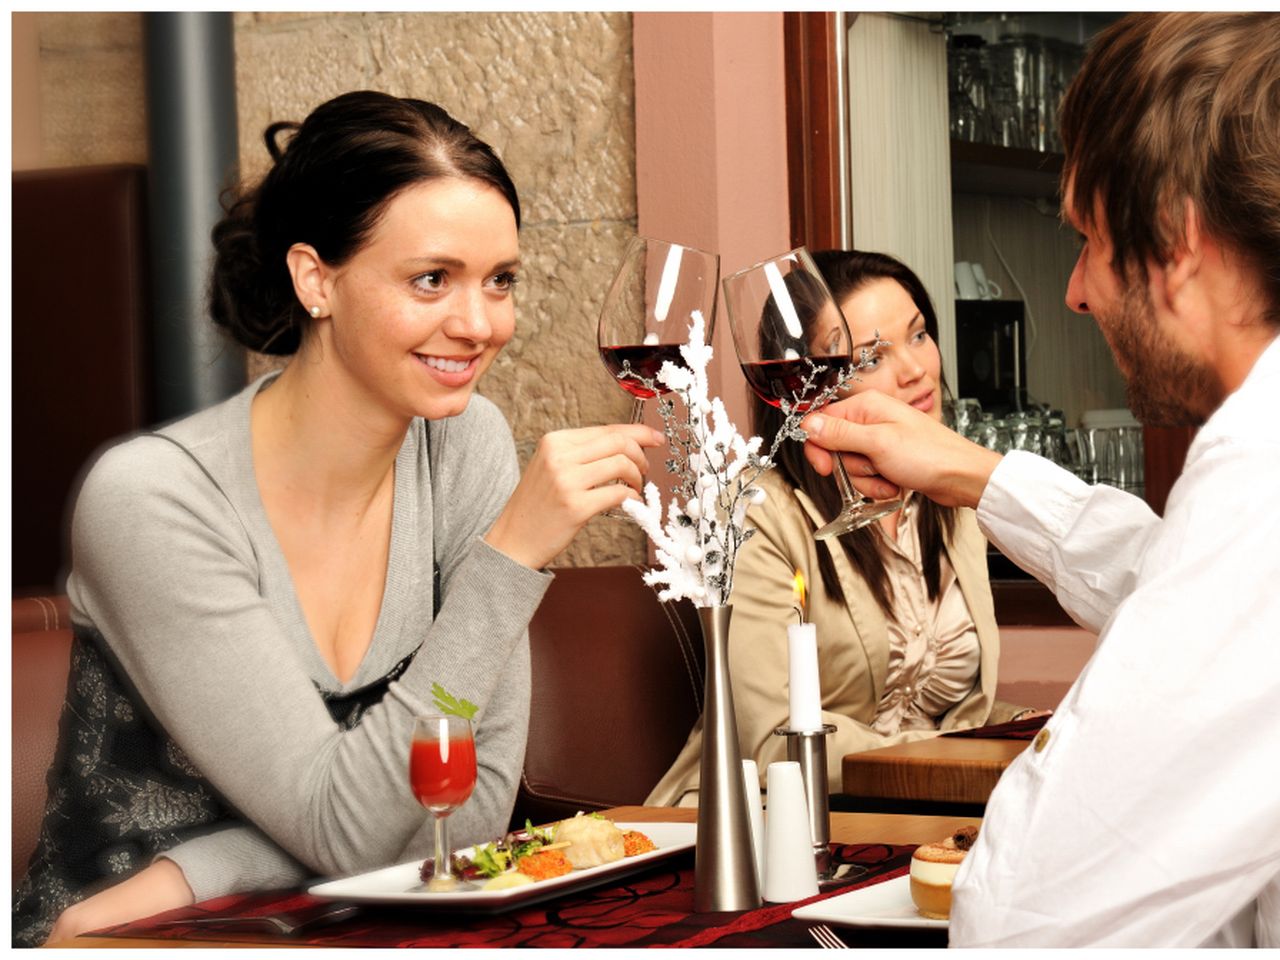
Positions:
{"x": 651, "y": 909}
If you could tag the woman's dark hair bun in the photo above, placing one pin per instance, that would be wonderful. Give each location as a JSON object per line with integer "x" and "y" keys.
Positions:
{"x": 330, "y": 182}
{"x": 271, "y": 134}
{"x": 251, "y": 303}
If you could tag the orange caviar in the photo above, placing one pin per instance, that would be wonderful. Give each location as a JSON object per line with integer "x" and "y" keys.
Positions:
{"x": 633, "y": 842}
{"x": 544, "y": 865}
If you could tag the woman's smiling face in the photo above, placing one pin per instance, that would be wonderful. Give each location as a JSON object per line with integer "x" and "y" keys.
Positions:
{"x": 423, "y": 307}
{"x": 910, "y": 367}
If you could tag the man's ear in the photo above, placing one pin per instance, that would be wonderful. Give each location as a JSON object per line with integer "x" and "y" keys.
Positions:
{"x": 1187, "y": 258}
{"x": 310, "y": 279}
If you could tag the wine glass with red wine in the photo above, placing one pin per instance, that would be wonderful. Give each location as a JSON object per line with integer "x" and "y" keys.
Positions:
{"x": 793, "y": 343}
{"x": 442, "y": 774}
{"x": 645, "y": 318}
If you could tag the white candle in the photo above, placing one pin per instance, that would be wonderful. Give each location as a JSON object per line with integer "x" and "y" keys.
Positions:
{"x": 806, "y": 695}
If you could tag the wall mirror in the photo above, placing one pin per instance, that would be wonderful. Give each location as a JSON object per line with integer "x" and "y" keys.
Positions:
{"x": 933, "y": 137}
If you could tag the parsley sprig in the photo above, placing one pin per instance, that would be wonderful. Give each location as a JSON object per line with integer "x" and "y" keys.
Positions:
{"x": 446, "y": 702}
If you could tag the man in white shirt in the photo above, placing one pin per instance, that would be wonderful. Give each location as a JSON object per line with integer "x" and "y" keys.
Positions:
{"x": 1146, "y": 813}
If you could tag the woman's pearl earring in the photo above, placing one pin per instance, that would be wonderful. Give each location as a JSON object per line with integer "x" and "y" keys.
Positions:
{"x": 315, "y": 311}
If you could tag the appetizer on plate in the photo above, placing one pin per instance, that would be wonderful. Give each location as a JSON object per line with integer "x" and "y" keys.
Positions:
{"x": 540, "y": 853}
{"x": 591, "y": 839}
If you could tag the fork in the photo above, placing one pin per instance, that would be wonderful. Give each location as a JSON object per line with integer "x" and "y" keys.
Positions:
{"x": 827, "y": 938}
{"x": 287, "y": 925}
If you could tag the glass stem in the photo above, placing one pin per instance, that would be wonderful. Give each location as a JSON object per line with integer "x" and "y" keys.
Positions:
{"x": 848, "y": 496}
{"x": 443, "y": 853}
{"x": 637, "y": 416}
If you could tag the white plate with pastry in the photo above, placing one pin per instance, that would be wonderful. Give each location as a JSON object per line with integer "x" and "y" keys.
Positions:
{"x": 885, "y": 904}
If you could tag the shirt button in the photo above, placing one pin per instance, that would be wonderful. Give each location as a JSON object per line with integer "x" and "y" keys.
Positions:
{"x": 919, "y": 630}
{"x": 1042, "y": 739}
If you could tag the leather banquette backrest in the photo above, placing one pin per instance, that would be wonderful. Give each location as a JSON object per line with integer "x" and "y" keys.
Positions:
{"x": 617, "y": 686}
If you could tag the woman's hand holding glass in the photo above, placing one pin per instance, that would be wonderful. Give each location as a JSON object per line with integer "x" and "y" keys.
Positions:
{"x": 570, "y": 479}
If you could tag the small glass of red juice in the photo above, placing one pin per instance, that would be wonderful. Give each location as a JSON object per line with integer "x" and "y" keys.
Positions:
{"x": 442, "y": 774}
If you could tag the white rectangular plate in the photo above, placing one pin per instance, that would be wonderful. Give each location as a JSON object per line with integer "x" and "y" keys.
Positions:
{"x": 401, "y": 885}
{"x": 886, "y": 904}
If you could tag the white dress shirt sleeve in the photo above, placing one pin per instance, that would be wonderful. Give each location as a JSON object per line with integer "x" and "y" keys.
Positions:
{"x": 1147, "y": 814}
{"x": 1084, "y": 542}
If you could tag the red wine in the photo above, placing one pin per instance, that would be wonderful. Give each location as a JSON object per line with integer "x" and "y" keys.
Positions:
{"x": 778, "y": 380}
{"x": 646, "y": 360}
{"x": 442, "y": 775}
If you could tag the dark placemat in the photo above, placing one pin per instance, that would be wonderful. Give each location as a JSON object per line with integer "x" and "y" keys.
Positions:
{"x": 653, "y": 909}
{"x": 1013, "y": 730}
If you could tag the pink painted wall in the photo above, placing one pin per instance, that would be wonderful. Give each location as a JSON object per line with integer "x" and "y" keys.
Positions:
{"x": 1039, "y": 664}
{"x": 711, "y": 152}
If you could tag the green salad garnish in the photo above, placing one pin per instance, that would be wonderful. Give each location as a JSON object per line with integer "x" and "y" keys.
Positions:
{"x": 491, "y": 859}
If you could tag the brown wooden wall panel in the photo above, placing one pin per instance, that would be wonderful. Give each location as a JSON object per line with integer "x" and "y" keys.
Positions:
{"x": 80, "y": 344}
{"x": 812, "y": 121}
{"x": 1164, "y": 451}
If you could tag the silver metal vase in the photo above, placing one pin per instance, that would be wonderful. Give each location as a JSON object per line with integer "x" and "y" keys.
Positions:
{"x": 724, "y": 868}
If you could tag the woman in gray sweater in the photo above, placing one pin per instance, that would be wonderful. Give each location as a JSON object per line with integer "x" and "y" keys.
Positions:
{"x": 265, "y": 593}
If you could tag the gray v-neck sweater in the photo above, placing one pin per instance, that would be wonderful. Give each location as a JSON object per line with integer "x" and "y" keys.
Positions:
{"x": 178, "y": 569}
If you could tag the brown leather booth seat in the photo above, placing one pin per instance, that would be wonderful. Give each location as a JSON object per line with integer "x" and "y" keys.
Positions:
{"x": 41, "y": 659}
{"x": 617, "y": 686}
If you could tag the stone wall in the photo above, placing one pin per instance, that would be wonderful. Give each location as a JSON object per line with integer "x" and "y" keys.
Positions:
{"x": 552, "y": 92}
{"x": 92, "y": 89}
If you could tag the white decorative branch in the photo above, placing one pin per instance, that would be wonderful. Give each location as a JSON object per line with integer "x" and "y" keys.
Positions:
{"x": 715, "y": 468}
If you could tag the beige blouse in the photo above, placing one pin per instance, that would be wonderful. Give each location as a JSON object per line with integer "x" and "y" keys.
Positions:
{"x": 933, "y": 644}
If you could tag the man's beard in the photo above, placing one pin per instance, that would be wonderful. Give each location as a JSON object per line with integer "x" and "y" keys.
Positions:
{"x": 1164, "y": 386}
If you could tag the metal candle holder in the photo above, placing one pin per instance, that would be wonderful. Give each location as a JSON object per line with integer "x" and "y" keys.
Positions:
{"x": 809, "y": 749}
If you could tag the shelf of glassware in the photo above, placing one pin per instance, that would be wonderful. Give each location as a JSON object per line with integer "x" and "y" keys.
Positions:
{"x": 1007, "y": 171}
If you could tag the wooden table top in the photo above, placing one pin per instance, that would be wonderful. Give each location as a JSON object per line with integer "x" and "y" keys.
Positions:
{"x": 938, "y": 769}
{"x": 845, "y": 828}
